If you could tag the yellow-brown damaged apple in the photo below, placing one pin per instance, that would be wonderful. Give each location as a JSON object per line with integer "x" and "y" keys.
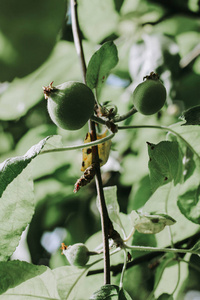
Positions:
{"x": 70, "y": 104}
{"x": 150, "y": 95}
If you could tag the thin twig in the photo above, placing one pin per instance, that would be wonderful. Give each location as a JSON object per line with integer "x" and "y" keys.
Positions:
{"x": 165, "y": 128}
{"x": 191, "y": 56}
{"x": 77, "y": 38}
{"x": 190, "y": 241}
{"x": 192, "y": 265}
{"x": 123, "y": 269}
{"x": 178, "y": 279}
{"x": 80, "y": 146}
{"x": 105, "y": 221}
{"x": 157, "y": 249}
{"x": 131, "y": 112}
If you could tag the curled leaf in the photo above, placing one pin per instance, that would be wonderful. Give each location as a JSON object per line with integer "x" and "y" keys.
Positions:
{"x": 103, "y": 150}
{"x": 150, "y": 224}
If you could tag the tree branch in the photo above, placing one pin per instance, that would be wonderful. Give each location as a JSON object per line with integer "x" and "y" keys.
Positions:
{"x": 105, "y": 221}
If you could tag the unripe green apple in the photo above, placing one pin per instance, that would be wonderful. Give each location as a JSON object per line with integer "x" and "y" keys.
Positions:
{"x": 70, "y": 105}
{"x": 77, "y": 254}
{"x": 150, "y": 95}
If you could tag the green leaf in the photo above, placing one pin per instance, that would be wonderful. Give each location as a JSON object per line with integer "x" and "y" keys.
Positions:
{"x": 140, "y": 193}
{"x": 100, "y": 64}
{"x": 12, "y": 167}
{"x": 23, "y": 51}
{"x": 16, "y": 211}
{"x": 165, "y": 163}
{"x": 109, "y": 291}
{"x": 118, "y": 4}
{"x": 13, "y": 273}
{"x": 191, "y": 116}
{"x": 188, "y": 87}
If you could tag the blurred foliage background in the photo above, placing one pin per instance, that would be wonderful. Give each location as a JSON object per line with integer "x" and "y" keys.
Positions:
{"x": 36, "y": 47}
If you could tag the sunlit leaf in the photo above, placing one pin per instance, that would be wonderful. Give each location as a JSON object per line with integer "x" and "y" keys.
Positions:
{"x": 43, "y": 283}
{"x": 42, "y": 286}
{"x": 97, "y": 14}
{"x": 68, "y": 280}
{"x": 13, "y": 273}
{"x": 163, "y": 264}
{"x": 169, "y": 267}
{"x": 23, "y": 93}
{"x": 12, "y": 167}
{"x": 189, "y": 199}
{"x": 16, "y": 211}
{"x": 110, "y": 194}
{"x": 188, "y": 196}
{"x": 191, "y": 136}
{"x": 165, "y": 198}
{"x": 53, "y": 160}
